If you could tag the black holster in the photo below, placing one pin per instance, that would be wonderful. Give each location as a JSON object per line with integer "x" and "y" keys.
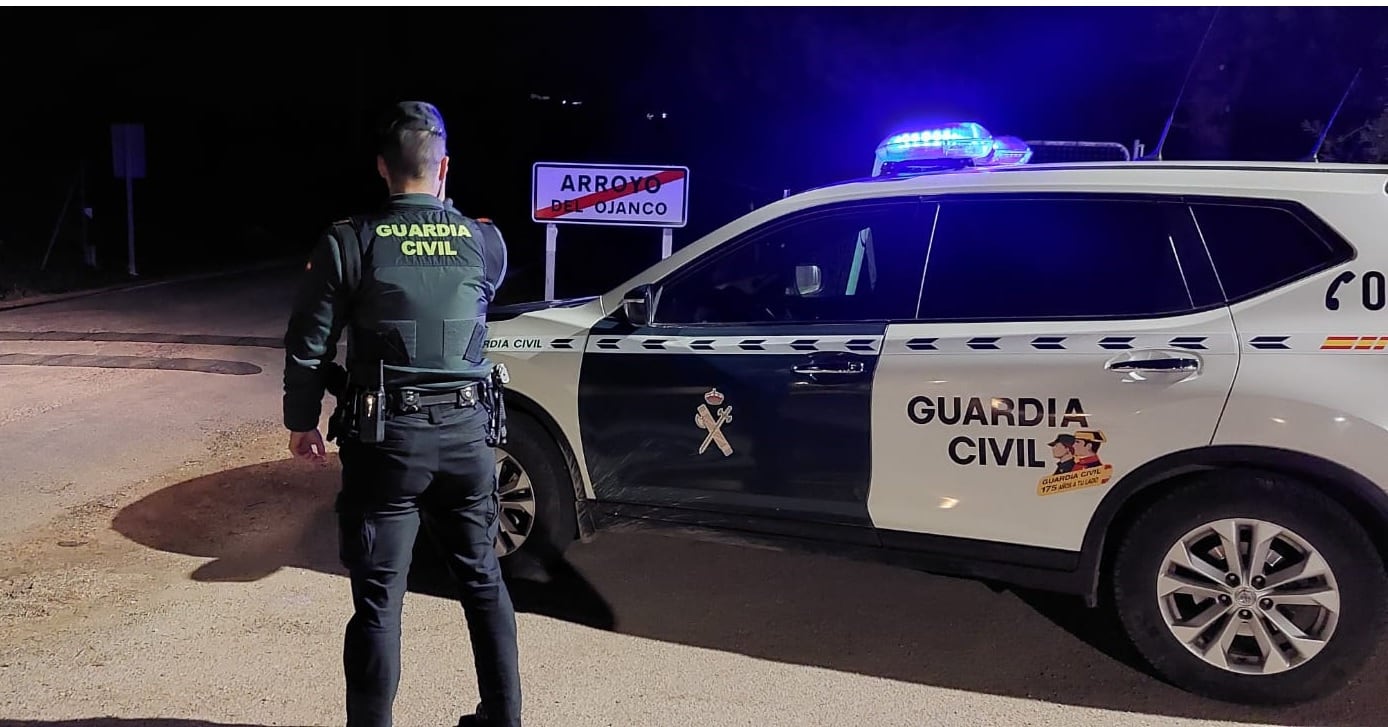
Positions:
{"x": 339, "y": 423}
{"x": 339, "y": 383}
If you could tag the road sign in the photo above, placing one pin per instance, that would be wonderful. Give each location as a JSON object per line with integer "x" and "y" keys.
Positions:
{"x": 610, "y": 194}
{"x": 128, "y": 157}
{"x": 128, "y": 150}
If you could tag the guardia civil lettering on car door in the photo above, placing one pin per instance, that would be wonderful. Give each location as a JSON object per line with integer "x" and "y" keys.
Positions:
{"x": 513, "y": 344}
{"x": 998, "y": 412}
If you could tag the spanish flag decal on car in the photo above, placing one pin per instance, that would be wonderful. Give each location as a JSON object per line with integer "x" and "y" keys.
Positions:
{"x": 1355, "y": 343}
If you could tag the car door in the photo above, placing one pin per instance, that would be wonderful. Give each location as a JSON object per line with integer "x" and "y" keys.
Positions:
{"x": 1061, "y": 342}
{"x": 749, "y": 393}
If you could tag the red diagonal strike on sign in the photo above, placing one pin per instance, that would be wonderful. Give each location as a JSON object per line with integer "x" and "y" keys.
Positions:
{"x": 607, "y": 195}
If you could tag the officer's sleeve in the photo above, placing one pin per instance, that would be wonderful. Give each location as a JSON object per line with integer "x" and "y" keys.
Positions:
{"x": 494, "y": 258}
{"x": 311, "y": 339}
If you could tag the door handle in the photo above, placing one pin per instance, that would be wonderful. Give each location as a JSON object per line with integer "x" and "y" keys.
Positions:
{"x": 844, "y": 369}
{"x": 1179, "y": 364}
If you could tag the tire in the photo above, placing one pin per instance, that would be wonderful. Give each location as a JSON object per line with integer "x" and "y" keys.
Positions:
{"x": 1309, "y": 518}
{"x": 554, "y": 524}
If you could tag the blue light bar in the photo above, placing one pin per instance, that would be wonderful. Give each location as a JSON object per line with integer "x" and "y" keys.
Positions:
{"x": 950, "y": 146}
{"x": 966, "y": 140}
{"x": 1007, "y": 150}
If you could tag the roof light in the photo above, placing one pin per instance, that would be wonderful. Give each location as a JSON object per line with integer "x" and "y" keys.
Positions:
{"x": 1007, "y": 150}
{"x": 966, "y": 140}
{"x": 947, "y": 147}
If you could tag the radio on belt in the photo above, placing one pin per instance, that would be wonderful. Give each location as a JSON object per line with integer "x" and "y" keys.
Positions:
{"x": 371, "y": 421}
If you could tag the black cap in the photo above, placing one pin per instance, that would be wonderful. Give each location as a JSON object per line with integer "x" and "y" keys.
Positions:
{"x": 1065, "y": 439}
{"x": 414, "y": 115}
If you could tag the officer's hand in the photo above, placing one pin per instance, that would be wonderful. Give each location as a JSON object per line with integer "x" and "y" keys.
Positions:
{"x": 308, "y": 446}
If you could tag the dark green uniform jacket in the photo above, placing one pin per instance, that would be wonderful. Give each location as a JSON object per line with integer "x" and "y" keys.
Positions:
{"x": 426, "y": 276}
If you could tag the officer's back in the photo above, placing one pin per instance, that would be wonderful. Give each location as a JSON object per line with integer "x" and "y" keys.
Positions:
{"x": 409, "y": 285}
{"x": 422, "y": 302}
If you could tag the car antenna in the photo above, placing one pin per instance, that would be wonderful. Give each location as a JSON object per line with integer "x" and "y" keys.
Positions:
{"x": 1315, "y": 154}
{"x": 1156, "y": 153}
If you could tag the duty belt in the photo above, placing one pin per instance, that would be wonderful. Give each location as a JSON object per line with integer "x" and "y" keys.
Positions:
{"x": 409, "y": 401}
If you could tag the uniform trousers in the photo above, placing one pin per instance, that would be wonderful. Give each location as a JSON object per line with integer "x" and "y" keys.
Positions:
{"x": 433, "y": 467}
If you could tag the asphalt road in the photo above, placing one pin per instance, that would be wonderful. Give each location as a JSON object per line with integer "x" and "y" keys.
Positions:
{"x": 103, "y": 390}
{"x": 167, "y": 565}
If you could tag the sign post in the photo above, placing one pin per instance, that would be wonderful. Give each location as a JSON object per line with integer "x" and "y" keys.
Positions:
{"x": 551, "y": 243}
{"x": 614, "y": 195}
{"x": 128, "y": 157}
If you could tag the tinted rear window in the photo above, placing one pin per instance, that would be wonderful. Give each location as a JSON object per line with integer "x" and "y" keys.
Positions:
{"x": 1046, "y": 259}
{"x": 1256, "y": 248}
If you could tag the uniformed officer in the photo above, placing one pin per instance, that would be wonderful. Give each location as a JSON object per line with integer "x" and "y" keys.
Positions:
{"x": 1087, "y": 443}
{"x": 1063, "y": 449}
{"x": 410, "y": 285}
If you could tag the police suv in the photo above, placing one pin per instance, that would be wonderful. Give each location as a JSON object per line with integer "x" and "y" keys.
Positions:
{"x": 1158, "y": 386}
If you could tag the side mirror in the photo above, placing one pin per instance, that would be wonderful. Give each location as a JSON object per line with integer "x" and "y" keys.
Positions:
{"x": 808, "y": 279}
{"x": 637, "y": 305}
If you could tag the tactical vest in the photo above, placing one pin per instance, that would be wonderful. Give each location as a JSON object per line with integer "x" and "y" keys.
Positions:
{"x": 419, "y": 305}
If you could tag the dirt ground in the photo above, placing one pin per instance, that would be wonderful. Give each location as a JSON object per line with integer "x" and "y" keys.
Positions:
{"x": 212, "y": 595}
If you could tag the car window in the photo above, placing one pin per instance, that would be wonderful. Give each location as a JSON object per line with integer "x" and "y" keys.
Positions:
{"x": 1059, "y": 258}
{"x": 846, "y": 263}
{"x": 1256, "y": 247}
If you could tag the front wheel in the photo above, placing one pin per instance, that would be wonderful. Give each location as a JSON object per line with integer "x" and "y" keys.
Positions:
{"x": 537, "y": 499}
{"x": 1251, "y": 588}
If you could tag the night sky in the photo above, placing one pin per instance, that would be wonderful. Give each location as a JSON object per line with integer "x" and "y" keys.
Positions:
{"x": 258, "y": 120}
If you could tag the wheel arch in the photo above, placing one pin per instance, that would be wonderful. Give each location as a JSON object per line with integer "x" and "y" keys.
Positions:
{"x": 1366, "y": 502}
{"x": 521, "y": 403}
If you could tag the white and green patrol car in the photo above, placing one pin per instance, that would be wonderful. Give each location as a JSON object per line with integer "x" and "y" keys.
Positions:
{"x": 1158, "y": 386}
